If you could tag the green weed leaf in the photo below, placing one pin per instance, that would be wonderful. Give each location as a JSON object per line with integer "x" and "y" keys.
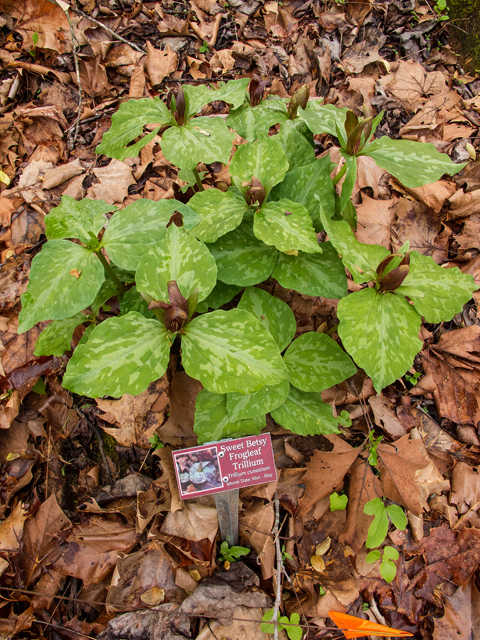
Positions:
{"x": 54, "y": 291}
{"x": 316, "y": 362}
{"x": 373, "y": 323}
{"x": 219, "y": 213}
{"x": 122, "y": 355}
{"x": 388, "y": 568}
{"x": 128, "y": 123}
{"x": 305, "y": 414}
{"x": 182, "y": 258}
{"x": 274, "y": 314}
{"x": 212, "y": 421}
{"x": 397, "y": 516}
{"x": 413, "y": 163}
{"x": 442, "y": 293}
{"x": 373, "y": 556}
{"x": 231, "y": 351}
{"x": 77, "y": 219}
{"x": 378, "y": 530}
{"x": 57, "y": 337}
{"x": 287, "y": 226}
{"x": 337, "y": 502}
{"x": 313, "y": 274}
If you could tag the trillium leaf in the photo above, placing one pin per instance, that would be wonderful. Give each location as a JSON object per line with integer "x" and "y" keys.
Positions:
{"x": 274, "y": 314}
{"x": 199, "y": 140}
{"x": 57, "y": 337}
{"x": 231, "y": 351}
{"x": 241, "y": 258}
{"x": 251, "y": 405}
{"x": 232, "y": 92}
{"x": 309, "y": 185}
{"x": 316, "y": 362}
{"x": 132, "y": 231}
{"x": 313, "y": 274}
{"x": 305, "y": 414}
{"x": 264, "y": 159}
{"x": 442, "y": 293}
{"x": 106, "y": 291}
{"x": 360, "y": 259}
{"x": 122, "y": 355}
{"x": 219, "y": 213}
{"x": 212, "y": 421}
{"x": 252, "y": 122}
{"x": 286, "y": 225}
{"x": 220, "y": 295}
{"x": 297, "y": 142}
{"x": 179, "y": 257}
{"x": 323, "y": 118}
{"x": 373, "y": 323}
{"x": 133, "y": 301}
{"x": 349, "y": 182}
{"x": 413, "y": 163}
{"x": 64, "y": 279}
{"x": 77, "y": 219}
{"x": 128, "y": 123}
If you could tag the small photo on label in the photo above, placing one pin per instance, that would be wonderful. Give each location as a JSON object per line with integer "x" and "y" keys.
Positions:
{"x": 198, "y": 471}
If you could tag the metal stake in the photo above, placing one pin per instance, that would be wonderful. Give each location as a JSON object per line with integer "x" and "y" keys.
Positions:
{"x": 227, "y": 508}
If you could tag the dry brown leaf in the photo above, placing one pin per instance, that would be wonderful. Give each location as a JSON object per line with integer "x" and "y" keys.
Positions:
{"x": 433, "y": 195}
{"x": 398, "y": 465}
{"x": 364, "y": 486}
{"x": 359, "y": 56}
{"x": 93, "y": 77}
{"x": 456, "y": 623}
{"x": 325, "y": 472}
{"x": 412, "y": 85}
{"x": 465, "y": 487}
{"x": 11, "y": 529}
{"x": 182, "y": 394}
{"x": 194, "y": 522}
{"x": 247, "y": 624}
{"x": 463, "y": 204}
{"x": 58, "y": 175}
{"x": 222, "y": 61}
{"x": 469, "y": 238}
{"x": 255, "y": 525}
{"x": 135, "y": 416}
{"x": 385, "y": 416}
{"x": 374, "y": 218}
{"x": 114, "y": 180}
{"x": 159, "y": 64}
{"x": 45, "y": 18}
{"x": 137, "y": 82}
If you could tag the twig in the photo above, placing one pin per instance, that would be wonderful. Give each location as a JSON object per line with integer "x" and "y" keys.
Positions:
{"x": 108, "y": 30}
{"x": 77, "y": 72}
{"x": 96, "y": 431}
{"x": 278, "y": 597}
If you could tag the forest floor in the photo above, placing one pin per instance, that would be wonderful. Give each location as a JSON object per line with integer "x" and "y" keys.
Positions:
{"x": 94, "y": 540}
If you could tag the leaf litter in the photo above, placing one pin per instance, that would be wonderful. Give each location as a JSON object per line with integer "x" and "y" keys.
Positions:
{"x": 94, "y": 540}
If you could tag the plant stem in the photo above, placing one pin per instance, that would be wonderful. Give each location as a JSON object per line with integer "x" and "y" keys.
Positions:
{"x": 198, "y": 181}
{"x": 110, "y": 271}
{"x": 340, "y": 175}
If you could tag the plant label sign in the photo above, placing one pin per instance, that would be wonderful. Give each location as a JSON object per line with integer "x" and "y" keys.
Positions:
{"x": 225, "y": 465}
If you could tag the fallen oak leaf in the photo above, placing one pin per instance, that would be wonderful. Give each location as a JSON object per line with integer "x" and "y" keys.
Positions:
{"x": 354, "y": 627}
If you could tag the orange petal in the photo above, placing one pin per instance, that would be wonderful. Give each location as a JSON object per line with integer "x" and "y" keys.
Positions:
{"x": 353, "y": 627}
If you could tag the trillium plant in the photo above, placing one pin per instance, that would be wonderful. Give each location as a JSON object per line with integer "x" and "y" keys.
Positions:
{"x": 194, "y": 277}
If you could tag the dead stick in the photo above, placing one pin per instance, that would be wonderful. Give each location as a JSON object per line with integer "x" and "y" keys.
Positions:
{"x": 278, "y": 597}
{"x": 77, "y": 71}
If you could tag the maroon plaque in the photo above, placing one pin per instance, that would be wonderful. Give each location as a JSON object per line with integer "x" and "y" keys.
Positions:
{"x": 224, "y": 465}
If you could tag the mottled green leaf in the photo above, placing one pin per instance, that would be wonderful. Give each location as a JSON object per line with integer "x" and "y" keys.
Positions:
{"x": 323, "y": 118}
{"x": 251, "y": 405}
{"x": 265, "y": 159}
{"x": 220, "y": 295}
{"x": 286, "y": 225}
{"x": 77, "y": 219}
{"x": 57, "y": 337}
{"x": 232, "y": 92}
{"x": 199, "y": 140}
{"x": 442, "y": 293}
{"x": 128, "y": 123}
{"x": 349, "y": 181}
{"x": 132, "y": 231}
{"x": 241, "y": 258}
{"x": 122, "y": 355}
{"x": 360, "y": 259}
{"x": 213, "y": 423}
{"x": 309, "y": 185}
{"x": 316, "y": 362}
{"x": 252, "y": 122}
{"x": 179, "y": 257}
{"x": 380, "y": 332}
{"x": 219, "y": 213}
{"x": 297, "y": 142}
{"x": 305, "y": 414}
{"x": 54, "y": 292}
{"x": 106, "y": 291}
{"x": 231, "y": 351}
{"x": 133, "y": 301}
{"x": 413, "y": 163}
{"x": 313, "y": 274}
{"x": 275, "y": 315}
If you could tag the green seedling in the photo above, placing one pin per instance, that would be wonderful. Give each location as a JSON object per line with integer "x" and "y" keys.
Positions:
{"x": 155, "y": 442}
{"x": 33, "y": 50}
{"x": 231, "y": 554}
{"x": 388, "y": 568}
{"x": 293, "y": 632}
{"x": 337, "y": 502}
